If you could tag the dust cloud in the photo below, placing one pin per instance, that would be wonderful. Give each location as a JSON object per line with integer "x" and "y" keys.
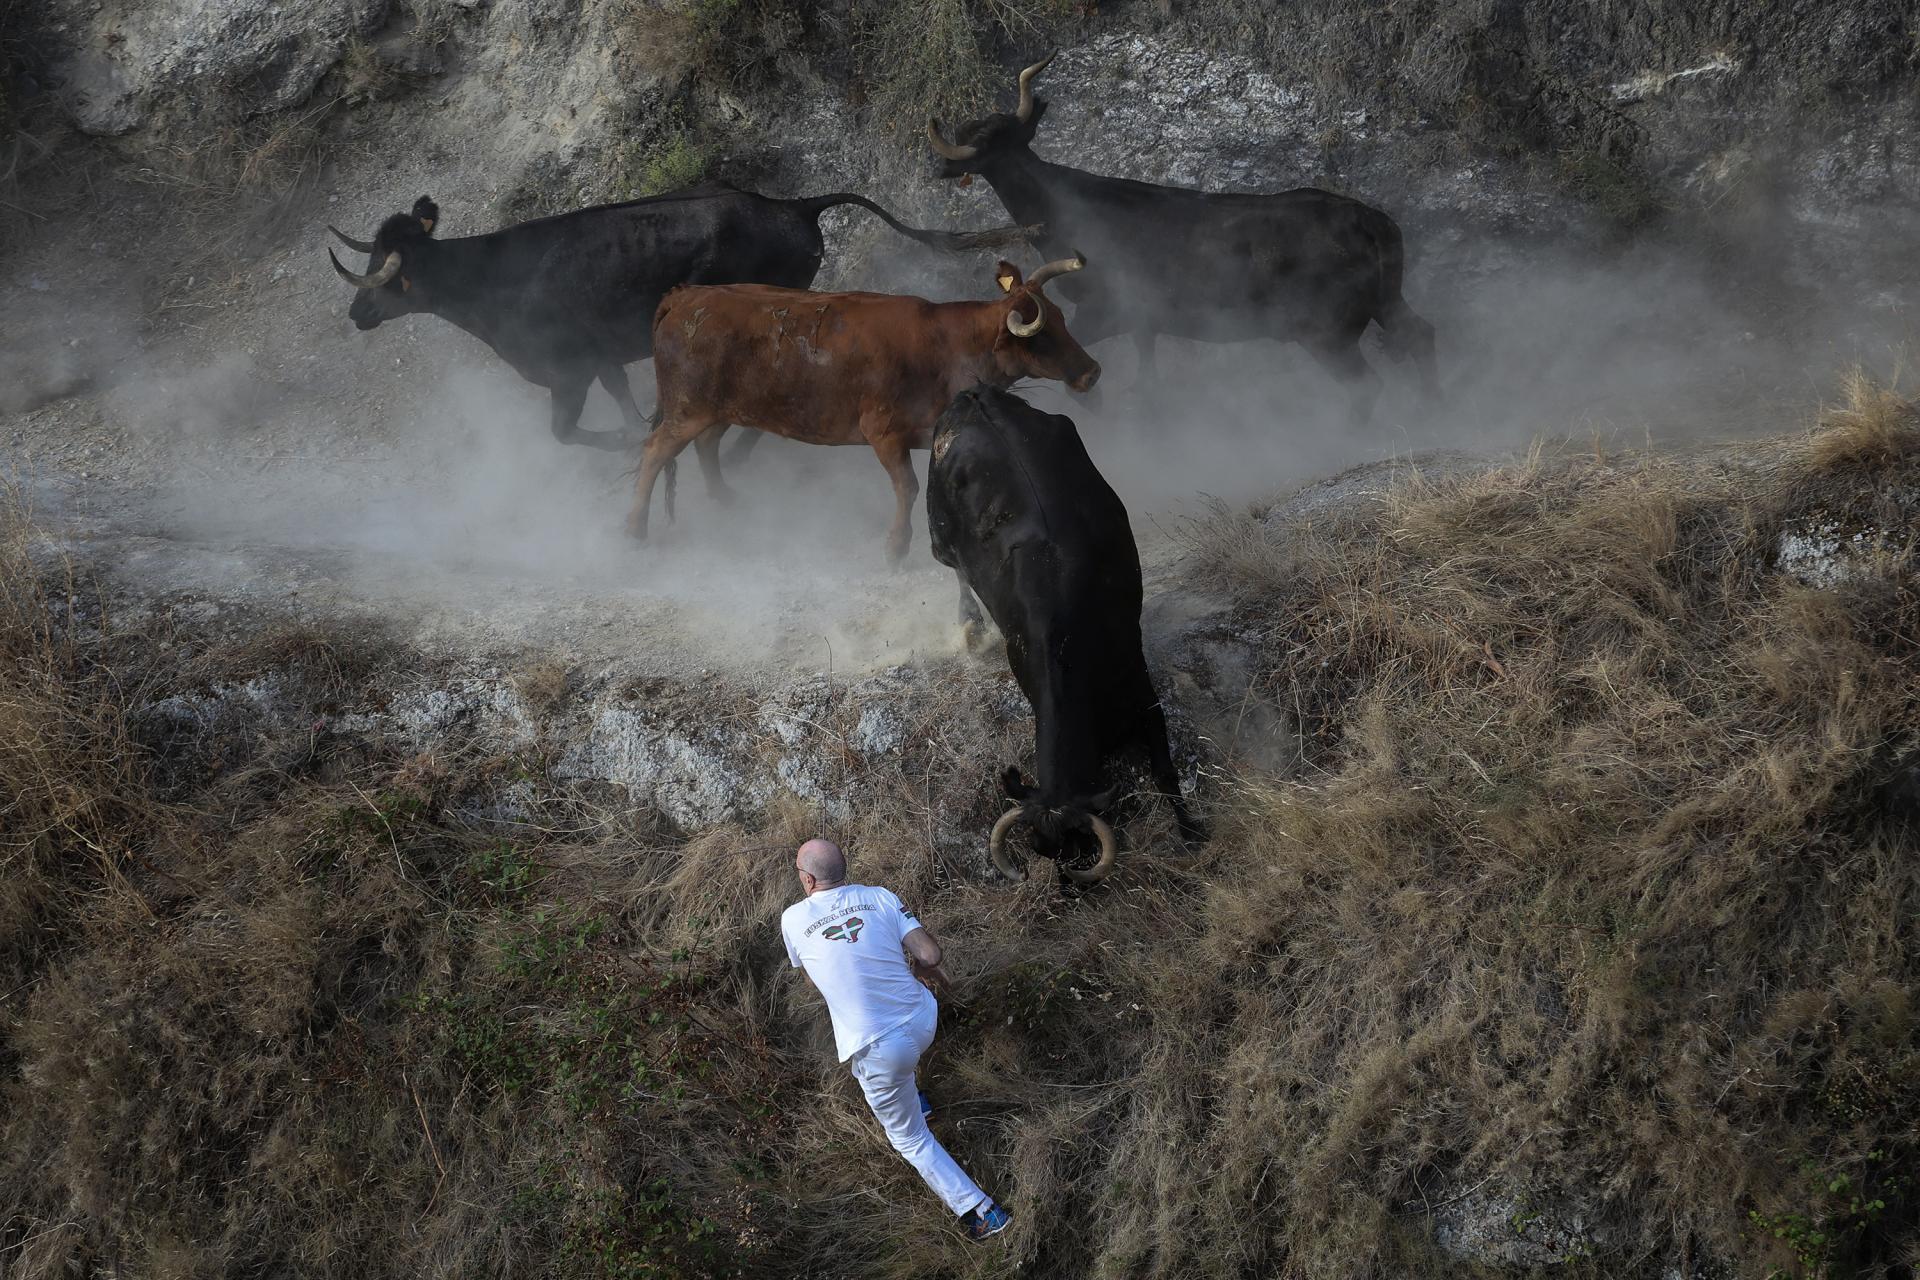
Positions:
{"x": 468, "y": 503}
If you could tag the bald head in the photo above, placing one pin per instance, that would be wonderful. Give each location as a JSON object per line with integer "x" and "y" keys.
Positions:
{"x": 823, "y": 862}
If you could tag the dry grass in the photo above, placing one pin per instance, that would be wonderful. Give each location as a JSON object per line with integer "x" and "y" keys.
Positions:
{"x": 1585, "y": 902}
{"x": 1874, "y": 426}
{"x": 545, "y": 685}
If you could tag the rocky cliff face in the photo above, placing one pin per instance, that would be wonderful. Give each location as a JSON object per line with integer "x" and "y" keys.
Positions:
{"x": 1542, "y": 117}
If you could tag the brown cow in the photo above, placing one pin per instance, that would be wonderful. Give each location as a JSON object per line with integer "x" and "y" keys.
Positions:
{"x": 842, "y": 368}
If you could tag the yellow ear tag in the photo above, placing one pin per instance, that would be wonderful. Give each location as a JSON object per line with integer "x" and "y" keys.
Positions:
{"x": 406, "y": 285}
{"x": 426, "y": 224}
{"x": 1006, "y": 283}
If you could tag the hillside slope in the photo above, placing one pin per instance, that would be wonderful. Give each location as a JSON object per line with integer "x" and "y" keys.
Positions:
{"x": 1585, "y": 940}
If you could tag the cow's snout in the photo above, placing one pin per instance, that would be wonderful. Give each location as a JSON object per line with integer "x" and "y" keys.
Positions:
{"x": 1086, "y": 380}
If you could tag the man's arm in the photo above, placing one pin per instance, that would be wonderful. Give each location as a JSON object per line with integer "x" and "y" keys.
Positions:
{"x": 924, "y": 952}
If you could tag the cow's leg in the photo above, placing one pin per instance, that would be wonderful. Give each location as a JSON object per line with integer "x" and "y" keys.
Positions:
{"x": 742, "y": 446}
{"x": 1341, "y": 357}
{"x": 1415, "y": 337}
{"x": 972, "y": 626}
{"x": 892, "y": 449}
{"x": 666, "y": 442}
{"x": 639, "y": 425}
{"x": 1153, "y": 730}
{"x": 568, "y": 400}
{"x": 706, "y": 447}
{"x": 1147, "y": 373}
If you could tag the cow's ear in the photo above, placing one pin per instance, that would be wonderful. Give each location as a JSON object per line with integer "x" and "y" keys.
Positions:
{"x": 1007, "y": 276}
{"x": 1014, "y": 785}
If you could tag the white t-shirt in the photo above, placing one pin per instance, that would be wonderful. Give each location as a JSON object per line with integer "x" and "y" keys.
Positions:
{"x": 849, "y": 941}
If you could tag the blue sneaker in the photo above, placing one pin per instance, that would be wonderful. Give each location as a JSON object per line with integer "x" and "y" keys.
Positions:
{"x": 979, "y": 1224}
{"x": 926, "y": 1107}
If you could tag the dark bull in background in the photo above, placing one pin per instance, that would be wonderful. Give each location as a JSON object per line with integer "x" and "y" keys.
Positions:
{"x": 569, "y": 299}
{"x": 1303, "y": 266}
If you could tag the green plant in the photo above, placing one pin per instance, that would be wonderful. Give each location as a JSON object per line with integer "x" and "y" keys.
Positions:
{"x": 673, "y": 160}
{"x": 678, "y": 162}
{"x": 612, "y": 1232}
{"x": 1842, "y": 1208}
{"x": 504, "y": 868}
{"x": 546, "y": 948}
{"x": 1617, "y": 189}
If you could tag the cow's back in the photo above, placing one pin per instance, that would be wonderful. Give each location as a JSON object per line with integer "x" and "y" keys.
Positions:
{"x": 1013, "y": 490}
{"x": 1016, "y": 505}
{"x": 799, "y": 363}
{"x": 1201, "y": 264}
{"x": 586, "y": 283}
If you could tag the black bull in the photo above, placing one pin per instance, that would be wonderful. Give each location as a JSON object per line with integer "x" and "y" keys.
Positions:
{"x": 1017, "y": 509}
{"x": 569, "y": 299}
{"x": 1306, "y": 266}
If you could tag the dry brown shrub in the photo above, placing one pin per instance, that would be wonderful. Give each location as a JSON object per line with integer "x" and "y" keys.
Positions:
{"x": 1873, "y": 426}
{"x": 545, "y": 685}
{"x": 1636, "y": 767}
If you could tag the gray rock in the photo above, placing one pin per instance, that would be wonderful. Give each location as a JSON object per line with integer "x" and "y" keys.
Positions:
{"x": 1827, "y": 551}
{"x": 117, "y": 63}
{"x": 1510, "y": 1227}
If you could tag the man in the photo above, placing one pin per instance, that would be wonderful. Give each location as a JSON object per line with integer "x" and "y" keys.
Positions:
{"x": 854, "y": 941}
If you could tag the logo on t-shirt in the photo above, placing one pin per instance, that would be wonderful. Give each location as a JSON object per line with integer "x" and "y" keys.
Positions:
{"x": 850, "y": 930}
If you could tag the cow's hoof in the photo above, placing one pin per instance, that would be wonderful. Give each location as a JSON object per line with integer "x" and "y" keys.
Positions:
{"x": 724, "y": 496}
{"x": 972, "y": 635}
{"x": 637, "y": 529}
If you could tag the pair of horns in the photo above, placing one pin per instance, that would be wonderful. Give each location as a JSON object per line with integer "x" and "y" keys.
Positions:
{"x": 1024, "y": 328}
{"x": 997, "y": 849}
{"x": 1022, "y": 113}
{"x": 373, "y": 279}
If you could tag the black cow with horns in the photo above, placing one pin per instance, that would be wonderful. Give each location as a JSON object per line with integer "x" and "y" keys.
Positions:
{"x": 1305, "y": 266}
{"x": 1017, "y": 509}
{"x": 569, "y": 299}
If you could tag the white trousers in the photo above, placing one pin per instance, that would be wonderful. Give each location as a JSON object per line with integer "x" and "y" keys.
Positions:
{"x": 885, "y": 1072}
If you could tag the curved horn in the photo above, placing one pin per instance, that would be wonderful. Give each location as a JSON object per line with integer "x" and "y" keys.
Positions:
{"x": 1022, "y": 329}
{"x": 947, "y": 150}
{"x": 358, "y": 246}
{"x": 997, "y": 845}
{"x": 388, "y": 270}
{"x": 1101, "y": 869}
{"x": 1059, "y": 268}
{"x": 1025, "y": 110}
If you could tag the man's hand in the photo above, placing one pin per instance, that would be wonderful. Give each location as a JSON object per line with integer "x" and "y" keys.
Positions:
{"x": 934, "y": 976}
{"x": 923, "y": 953}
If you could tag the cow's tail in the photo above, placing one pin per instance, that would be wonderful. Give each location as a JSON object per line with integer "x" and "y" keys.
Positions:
{"x": 1409, "y": 337}
{"x": 951, "y": 241}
